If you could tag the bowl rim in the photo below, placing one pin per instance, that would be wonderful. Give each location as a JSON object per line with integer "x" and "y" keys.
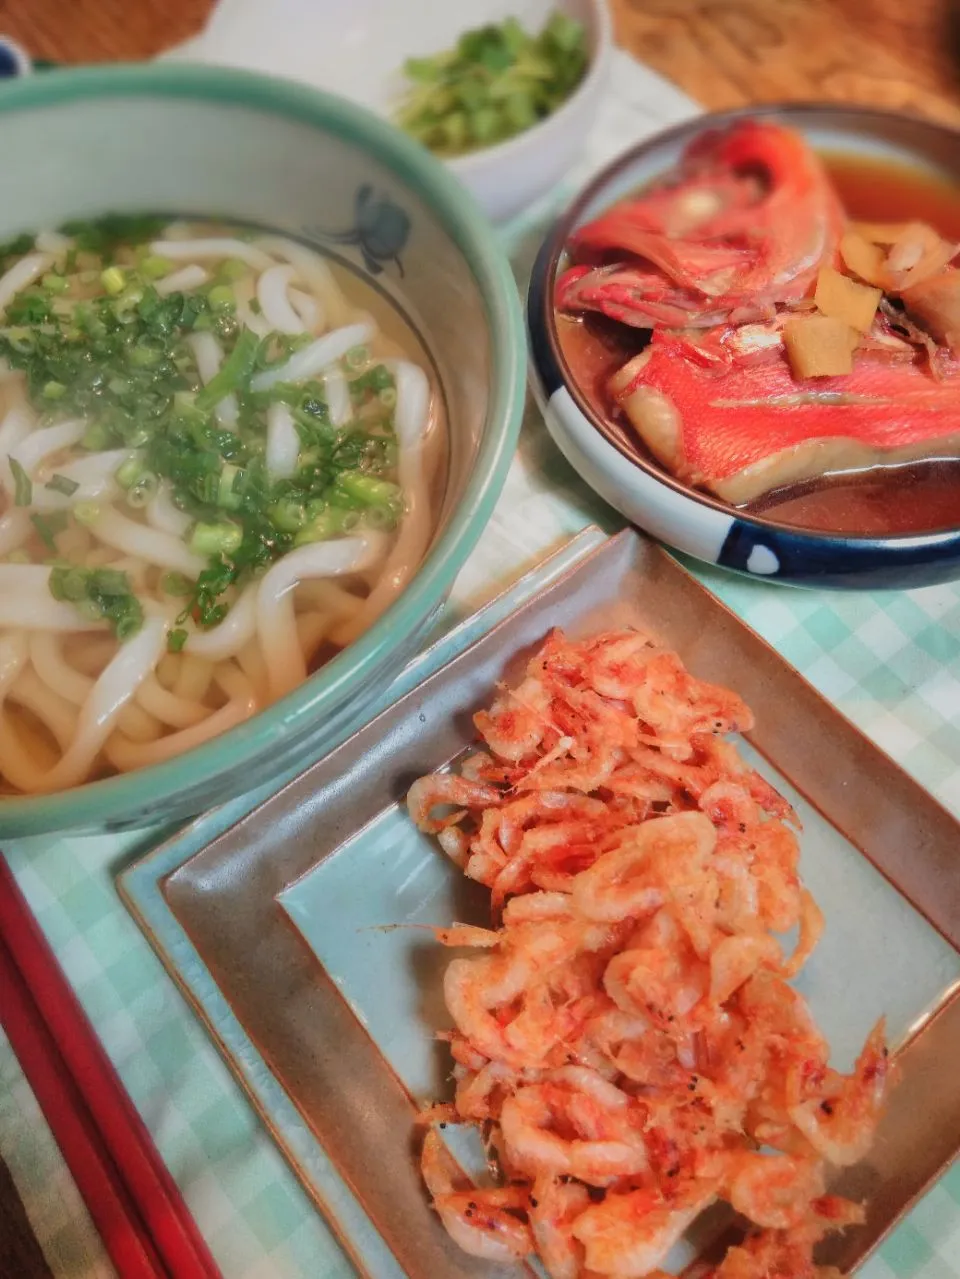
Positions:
{"x": 466, "y": 166}
{"x": 117, "y": 799}
{"x": 545, "y": 272}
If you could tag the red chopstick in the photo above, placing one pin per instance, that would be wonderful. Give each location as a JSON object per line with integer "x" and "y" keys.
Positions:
{"x": 100, "y": 1100}
{"x": 128, "y": 1247}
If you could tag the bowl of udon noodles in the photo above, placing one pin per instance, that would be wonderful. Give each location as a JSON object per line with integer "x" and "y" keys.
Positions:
{"x": 261, "y": 378}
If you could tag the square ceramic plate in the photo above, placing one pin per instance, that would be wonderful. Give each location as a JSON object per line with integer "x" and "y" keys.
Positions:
{"x": 278, "y": 930}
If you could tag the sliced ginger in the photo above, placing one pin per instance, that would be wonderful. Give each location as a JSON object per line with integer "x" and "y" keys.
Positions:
{"x": 819, "y": 345}
{"x": 863, "y": 258}
{"x": 841, "y": 298}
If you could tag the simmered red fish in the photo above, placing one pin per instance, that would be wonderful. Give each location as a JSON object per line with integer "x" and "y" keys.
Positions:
{"x": 787, "y": 341}
{"x": 742, "y": 430}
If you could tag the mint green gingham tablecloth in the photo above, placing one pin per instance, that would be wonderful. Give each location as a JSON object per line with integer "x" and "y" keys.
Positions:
{"x": 890, "y": 662}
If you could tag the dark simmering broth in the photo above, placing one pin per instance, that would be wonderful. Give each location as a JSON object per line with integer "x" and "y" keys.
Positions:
{"x": 921, "y": 497}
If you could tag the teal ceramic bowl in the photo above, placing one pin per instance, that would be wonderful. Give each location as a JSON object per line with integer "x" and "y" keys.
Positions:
{"x": 209, "y": 142}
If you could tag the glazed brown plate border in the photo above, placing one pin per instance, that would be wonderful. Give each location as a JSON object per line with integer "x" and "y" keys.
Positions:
{"x": 225, "y": 897}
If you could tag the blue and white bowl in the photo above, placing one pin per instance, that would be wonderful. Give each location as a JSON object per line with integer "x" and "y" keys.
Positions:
{"x": 691, "y": 521}
{"x": 14, "y": 61}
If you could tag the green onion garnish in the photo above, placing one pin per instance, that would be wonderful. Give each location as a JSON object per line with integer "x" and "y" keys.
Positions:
{"x": 99, "y": 593}
{"x": 496, "y": 82}
{"x": 48, "y": 526}
{"x": 22, "y": 483}
{"x": 62, "y": 484}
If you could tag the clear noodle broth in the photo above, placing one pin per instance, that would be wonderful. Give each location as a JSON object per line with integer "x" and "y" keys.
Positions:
{"x": 221, "y": 457}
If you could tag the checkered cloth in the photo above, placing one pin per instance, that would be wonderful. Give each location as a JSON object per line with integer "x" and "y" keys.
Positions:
{"x": 891, "y": 662}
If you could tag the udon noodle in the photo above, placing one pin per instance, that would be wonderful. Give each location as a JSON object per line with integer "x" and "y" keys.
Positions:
{"x": 216, "y": 470}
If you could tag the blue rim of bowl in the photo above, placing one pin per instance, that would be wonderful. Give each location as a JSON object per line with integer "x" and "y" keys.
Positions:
{"x": 14, "y": 59}
{"x": 117, "y": 798}
{"x": 803, "y": 558}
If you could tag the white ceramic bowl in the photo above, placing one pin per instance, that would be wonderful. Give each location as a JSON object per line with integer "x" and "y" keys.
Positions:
{"x": 208, "y": 142}
{"x": 355, "y": 48}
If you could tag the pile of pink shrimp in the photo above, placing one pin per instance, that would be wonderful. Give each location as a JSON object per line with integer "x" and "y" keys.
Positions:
{"x": 626, "y": 1039}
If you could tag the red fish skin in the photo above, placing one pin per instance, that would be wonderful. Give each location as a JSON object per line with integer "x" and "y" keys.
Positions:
{"x": 629, "y": 294}
{"x": 759, "y": 250}
{"x": 722, "y": 433}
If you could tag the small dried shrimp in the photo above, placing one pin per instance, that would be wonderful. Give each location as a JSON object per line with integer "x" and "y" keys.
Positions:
{"x": 626, "y": 1038}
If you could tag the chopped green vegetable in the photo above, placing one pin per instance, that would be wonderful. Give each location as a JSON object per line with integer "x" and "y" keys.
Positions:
{"x": 49, "y": 526}
{"x": 176, "y": 640}
{"x": 221, "y": 298}
{"x": 62, "y": 484}
{"x": 99, "y": 593}
{"x": 131, "y": 472}
{"x": 233, "y": 269}
{"x": 330, "y": 521}
{"x": 113, "y": 280}
{"x": 123, "y": 361}
{"x": 154, "y": 267}
{"x": 235, "y": 372}
{"x": 173, "y": 583}
{"x": 141, "y": 492}
{"x": 367, "y": 490}
{"x": 216, "y": 539}
{"x": 205, "y": 605}
{"x": 495, "y": 83}
{"x": 22, "y": 484}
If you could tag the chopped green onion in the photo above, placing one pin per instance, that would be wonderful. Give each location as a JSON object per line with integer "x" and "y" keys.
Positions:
{"x": 233, "y": 269}
{"x": 154, "y": 267}
{"x": 288, "y": 515}
{"x": 141, "y": 493}
{"x": 221, "y": 298}
{"x": 22, "y": 484}
{"x": 496, "y": 82}
{"x": 176, "y": 640}
{"x": 89, "y": 609}
{"x": 131, "y": 472}
{"x": 122, "y": 362}
{"x": 112, "y": 581}
{"x": 174, "y": 583}
{"x": 367, "y": 490}
{"x": 143, "y": 356}
{"x": 68, "y": 584}
{"x": 126, "y": 625}
{"x": 227, "y": 495}
{"x": 62, "y": 484}
{"x": 96, "y": 437}
{"x": 49, "y": 526}
{"x": 113, "y": 280}
{"x": 329, "y": 522}
{"x": 99, "y": 594}
{"x": 234, "y": 372}
{"x": 356, "y": 357}
{"x": 215, "y": 539}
